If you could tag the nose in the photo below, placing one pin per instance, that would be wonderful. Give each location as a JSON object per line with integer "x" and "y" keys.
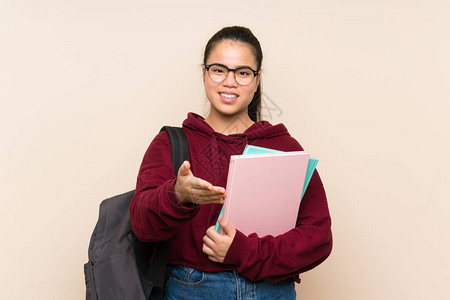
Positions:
{"x": 230, "y": 80}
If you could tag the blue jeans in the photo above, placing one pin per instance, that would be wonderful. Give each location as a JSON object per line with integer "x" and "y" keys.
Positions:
{"x": 190, "y": 284}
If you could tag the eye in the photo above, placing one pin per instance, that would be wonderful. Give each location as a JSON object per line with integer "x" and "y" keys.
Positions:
{"x": 244, "y": 72}
{"x": 217, "y": 70}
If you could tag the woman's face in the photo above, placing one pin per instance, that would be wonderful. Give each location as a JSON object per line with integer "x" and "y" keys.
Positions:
{"x": 228, "y": 98}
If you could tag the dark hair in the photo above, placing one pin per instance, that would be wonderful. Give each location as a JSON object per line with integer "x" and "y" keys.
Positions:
{"x": 243, "y": 35}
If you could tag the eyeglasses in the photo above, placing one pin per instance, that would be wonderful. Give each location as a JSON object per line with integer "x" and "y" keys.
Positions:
{"x": 242, "y": 75}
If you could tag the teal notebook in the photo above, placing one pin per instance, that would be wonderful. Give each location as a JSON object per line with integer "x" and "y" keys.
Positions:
{"x": 250, "y": 149}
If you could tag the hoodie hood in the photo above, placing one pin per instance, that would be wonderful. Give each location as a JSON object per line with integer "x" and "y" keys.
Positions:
{"x": 216, "y": 148}
{"x": 259, "y": 130}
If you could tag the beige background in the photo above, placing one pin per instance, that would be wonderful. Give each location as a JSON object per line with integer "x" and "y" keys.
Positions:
{"x": 363, "y": 85}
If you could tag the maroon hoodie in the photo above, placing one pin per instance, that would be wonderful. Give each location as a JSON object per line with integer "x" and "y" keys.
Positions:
{"x": 157, "y": 215}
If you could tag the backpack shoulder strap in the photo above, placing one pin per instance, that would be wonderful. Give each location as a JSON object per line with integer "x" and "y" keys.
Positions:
{"x": 179, "y": 146}
{"x": 157, "y": 269}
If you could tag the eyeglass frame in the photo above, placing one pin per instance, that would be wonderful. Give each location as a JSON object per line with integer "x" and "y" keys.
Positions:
{"x": 255, "y": 73}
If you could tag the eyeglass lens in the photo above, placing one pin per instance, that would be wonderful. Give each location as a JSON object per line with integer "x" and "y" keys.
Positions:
{"x": 243, "y": 76}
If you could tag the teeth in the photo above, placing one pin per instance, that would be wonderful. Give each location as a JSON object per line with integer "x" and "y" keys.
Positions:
{"x": 228, "y": 95}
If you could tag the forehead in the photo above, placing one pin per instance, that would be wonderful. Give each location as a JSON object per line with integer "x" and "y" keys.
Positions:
{"x": 232, "y": 54}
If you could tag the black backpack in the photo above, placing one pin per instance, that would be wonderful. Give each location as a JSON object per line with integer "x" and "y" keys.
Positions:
{"x": 118, "y": 266}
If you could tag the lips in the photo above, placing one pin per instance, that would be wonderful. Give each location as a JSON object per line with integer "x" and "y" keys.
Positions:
{"x": 228, "y": 97}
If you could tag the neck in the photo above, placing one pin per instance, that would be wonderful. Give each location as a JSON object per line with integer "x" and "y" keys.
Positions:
{"x": 229, "y": 124}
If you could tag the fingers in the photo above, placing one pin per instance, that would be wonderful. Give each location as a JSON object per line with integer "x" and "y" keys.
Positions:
{"x": 186, "y": 176}
{"x": 208, "y": 242}
{"x": 210, "y": 247}
{"x": 195, "y": 182}
{"x": 199, "y": 183}
{"x": 209, "y": 189}
{"x": 191, "y": 189}
{"x": 216, "y": 245}
{"x": 208, "y": 251}
{"x": 199, "y": 195}
{"x": 203, "y": 192}
{"x": 210, "y": 200}
{"x": 213, "y": 235}
{"x": 211, "y": 254}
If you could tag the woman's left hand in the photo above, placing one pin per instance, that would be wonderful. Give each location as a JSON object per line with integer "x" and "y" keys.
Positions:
{"x": 216, "y": 245}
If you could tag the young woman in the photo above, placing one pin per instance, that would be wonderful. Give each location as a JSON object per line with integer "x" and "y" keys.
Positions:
{"x": 206, "y": 264}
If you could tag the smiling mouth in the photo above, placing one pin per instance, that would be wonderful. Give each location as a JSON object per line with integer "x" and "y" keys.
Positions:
{"x": 229, "y": 96}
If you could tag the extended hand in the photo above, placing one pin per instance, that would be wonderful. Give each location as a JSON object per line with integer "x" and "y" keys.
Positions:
{"x": 191, "y": 189}
{"x": 216, "y": 245}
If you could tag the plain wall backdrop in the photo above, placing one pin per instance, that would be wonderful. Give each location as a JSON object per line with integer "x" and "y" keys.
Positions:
{"x": 363, "y": 85}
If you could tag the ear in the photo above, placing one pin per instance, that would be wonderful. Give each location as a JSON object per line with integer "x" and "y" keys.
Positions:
{"x": 203, "y": 72}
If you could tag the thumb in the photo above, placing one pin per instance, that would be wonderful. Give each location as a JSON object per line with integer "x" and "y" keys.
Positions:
{"x": 227, "y": 228}
{"x": 184, "y": 169}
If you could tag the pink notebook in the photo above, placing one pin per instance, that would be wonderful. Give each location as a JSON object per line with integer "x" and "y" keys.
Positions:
{"x": 264, "y": 191}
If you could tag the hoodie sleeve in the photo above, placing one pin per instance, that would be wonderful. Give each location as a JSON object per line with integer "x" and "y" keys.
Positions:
{"x": 293, "y": 252}
{"x": 155, "y": 210}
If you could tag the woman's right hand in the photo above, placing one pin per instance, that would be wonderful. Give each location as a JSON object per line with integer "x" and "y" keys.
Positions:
{"x": 191, "y": 189}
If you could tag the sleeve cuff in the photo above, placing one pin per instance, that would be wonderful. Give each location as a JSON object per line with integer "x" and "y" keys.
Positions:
{"x": 173, "y": 200}
{"x": 240, "y": 249}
